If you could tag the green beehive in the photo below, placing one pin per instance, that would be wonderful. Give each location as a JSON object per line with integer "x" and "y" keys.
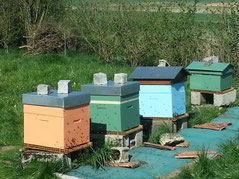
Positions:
{"x": 114, "y": 107}
{"x": 212, "y": 77}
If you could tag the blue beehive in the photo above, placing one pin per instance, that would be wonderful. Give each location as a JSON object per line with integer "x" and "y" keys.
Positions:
{"x": 162, "y": 91}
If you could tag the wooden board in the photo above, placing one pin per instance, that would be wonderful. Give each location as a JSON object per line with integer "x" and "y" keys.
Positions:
{"x": 158, "y": 146}
{"x": 192, "y": 154}
{"x": 214, "y": 92}
{"x": 125, "y": 164}
{"x": 213, "y": 125}
{"x": 130, "y": 131}
{"x": 56, "y": 127}
{"x": 109, "y": 114}
{"x": 154, "y": 82}
{"x": 167, "y": 119}
{"x": 56, "y": 150}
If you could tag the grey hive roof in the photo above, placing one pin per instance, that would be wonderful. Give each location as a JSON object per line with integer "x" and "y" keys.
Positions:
{"x": 111, "y": 89}
{"x": 158, "y": 73}
{"x": 54, "y": 99}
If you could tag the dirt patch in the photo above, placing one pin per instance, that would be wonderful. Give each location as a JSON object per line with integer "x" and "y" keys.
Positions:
{"x": 221, "y": 4}
{"x": 176, "y": 172}
{"x": 7, "y": 162}
{"x": 7, "y": 148}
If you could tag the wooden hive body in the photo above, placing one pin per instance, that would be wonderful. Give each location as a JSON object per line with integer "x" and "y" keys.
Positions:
{"x": 162, "y": 91}
{"x": 216, "y": 77}
{"x": 162, "y": 100}
{"x": 56, "y": 126}
{"x": 114, "y": 113}
{"x": 114, "y": 107}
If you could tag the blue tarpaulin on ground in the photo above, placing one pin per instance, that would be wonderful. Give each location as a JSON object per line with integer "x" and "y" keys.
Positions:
{"x": 161, "y": 162}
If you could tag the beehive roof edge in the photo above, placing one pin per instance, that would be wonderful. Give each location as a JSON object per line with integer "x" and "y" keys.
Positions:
{"x": 217, "y": 67}
{"x": 157, "y": 73}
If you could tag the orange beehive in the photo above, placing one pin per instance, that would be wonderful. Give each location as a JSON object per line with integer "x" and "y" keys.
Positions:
{"x": 55, "y": 126}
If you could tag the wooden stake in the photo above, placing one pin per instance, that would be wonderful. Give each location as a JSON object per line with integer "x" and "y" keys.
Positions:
{"x": 162, "y": 147}
{"x": 192, "y": 154}
{"x": 125, "y": 165}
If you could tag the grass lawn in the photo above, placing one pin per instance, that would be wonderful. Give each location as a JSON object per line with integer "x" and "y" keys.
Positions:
{"x": 21, "y": 74}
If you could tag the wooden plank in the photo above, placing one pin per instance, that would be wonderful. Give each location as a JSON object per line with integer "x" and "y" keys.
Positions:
{"x": 184, "y": 144}
{"x": 154, "y": 82}
{"x": 57, "y": 150}
{"x": 125, "y": 165}
{"x": 214, "y": 92}
{"x": 158, "y": 146}
{"x": 192, "y": 154}
{"x": 167, "y": 118}
{"x": 130, "y": 131}
{"x": 213, "y": 125}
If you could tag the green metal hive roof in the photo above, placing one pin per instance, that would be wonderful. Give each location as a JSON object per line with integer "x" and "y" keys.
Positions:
{"x": 215, "y": 67}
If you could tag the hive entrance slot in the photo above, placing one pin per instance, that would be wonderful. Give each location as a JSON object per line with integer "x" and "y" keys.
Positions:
{"x": 130, "y": 107}
{"x": 77, "y": 121}
{"x": 207, "y": 98}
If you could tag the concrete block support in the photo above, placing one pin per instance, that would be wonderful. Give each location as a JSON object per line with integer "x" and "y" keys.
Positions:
{"x": 100, "y": 79}
{"x": 163, "y": 63}
{"x": 152, "y": 124}
{"x": 224, "y": 99}
{"x": 44, "y": 156}
{"x": 43, "y": 89}
{"x": 139, "y": 139}
{"x": 131, "y": 141}
{"x": 123, "y": 154}
{"x": 210, "y": 60}
{"x": 180, "y": 124}
{"x": 217, "y": 99}
{"x": 63, "y": 176}
{"x": 64, "y": 86}
{"x": 196, "y": 98}
{"x": 120, "y": 78}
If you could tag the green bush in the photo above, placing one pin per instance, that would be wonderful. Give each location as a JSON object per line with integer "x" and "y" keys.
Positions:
{"x": 128, "y": 32}
{"x": 140, "y": 33}
{"x": 11, "y": 24}
{"x": 26, "y": 21}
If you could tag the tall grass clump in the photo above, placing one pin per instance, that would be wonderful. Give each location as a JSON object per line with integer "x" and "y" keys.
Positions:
{"x": 10, "y": 167}
{"x": 154, "y": 136}
{"x": 97, "y": 157}
{"x": 224, "y": 166}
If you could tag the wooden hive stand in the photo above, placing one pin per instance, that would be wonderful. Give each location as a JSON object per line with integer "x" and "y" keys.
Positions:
{"x": 217, "y": 98}
{"x": 130, "y": 138}
{"x": 176, "y": 123}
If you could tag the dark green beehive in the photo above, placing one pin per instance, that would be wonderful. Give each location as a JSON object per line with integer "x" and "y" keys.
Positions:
{"x": 113, "y": 107}
{"x": 214, "y": 77}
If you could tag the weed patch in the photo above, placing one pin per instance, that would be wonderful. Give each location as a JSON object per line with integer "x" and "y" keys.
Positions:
{"x": 155, "y": 135}
{"x": 224, "y": 166}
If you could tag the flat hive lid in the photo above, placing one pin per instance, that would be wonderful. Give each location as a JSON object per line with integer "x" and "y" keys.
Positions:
{"x": 176, "y": 74}
{"x": 54, "y": 99}
{"x": 111, "y": 89}
{"x": 215, "y": 67}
